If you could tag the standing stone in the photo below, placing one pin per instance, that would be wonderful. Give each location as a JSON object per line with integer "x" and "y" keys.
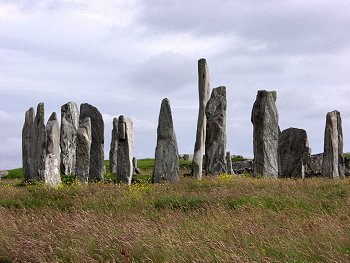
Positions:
{"x": 294, "y": 152}
{"x": 333, "y": 161}
{"x": 69, "y": 126}
{"x": 83, "y": 150}
{"x": 125, "y": 136}
{"x": 265, "y": 134}
{"x": 215, "y": 143}
{"x": 97, "y": 167}
{"x": 166, "y": 163}
{"x": 27, "y": 127}
{"x": 204, "y": 94}
{"x": 38, "y": 145}
{"x": 229, "y": 163}
{"x": 114, "y": 148}
{"x": 52, "y": 161}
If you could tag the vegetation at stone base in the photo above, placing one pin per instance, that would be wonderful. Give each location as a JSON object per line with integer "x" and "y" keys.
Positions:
{"x": 221, "y": 219}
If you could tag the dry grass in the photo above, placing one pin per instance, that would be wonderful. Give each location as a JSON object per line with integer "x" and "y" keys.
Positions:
{"x": 224, "y": 219}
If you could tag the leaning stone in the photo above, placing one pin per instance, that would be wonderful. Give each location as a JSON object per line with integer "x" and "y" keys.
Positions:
{"x": 114, "y": 148}
{"x": 52, "y": 171}
{"x": 38, "y": 145}
{"x": 27, "y": 127}
{"x": 166, "y": 163}
{"x": 265, "y": 134}
{"x": 69, "y": 127}
{"x": 333, "y": 161}
{"x": 125, "y": 137}
{"x": 215, "y": 143}
{"x": 97, "y": 167}
{"x": 229, "y": 163}
{"x": 204, "y": 94}
{"x": 294, "y": 153}
{"x": 83, "y": 150}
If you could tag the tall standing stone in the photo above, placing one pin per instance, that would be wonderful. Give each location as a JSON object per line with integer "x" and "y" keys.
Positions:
{"x": 265, "y": 134}
{"x": 333, "y": 161}
{"x": 114, "y": 148}
{"x": 69, "y": 126}
{"x": 27, "y": 127}
{"x": 204, "y": 94}
{"x": 125, "y": 136}
{"x": 229, "y": 163}
{"x": 215, "y": 143}
{"x": 166, "y": 163}
{"x": 83, "y": 150}
{"x": 52, "y": 160}
{"x": 38, "y": 145}
{"x": 294, "y": 152}
{"x": 97, "y": 167}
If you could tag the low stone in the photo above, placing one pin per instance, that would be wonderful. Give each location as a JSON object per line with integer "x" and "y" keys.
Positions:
{"x": 294, "y": 152}
{"x": 215, "y": 143}
{"x": 241, "y": 167}
{"x": 125, "y": 137}
{"x": 166, "y": 163}
{"x": 229, "y": 163}
{"x": 83, "y": 150}
{"x": 113, "y": 153}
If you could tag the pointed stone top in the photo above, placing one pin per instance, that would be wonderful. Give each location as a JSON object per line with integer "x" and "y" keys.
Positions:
{"x": 115, "y": 122}
{"x": 165, "y": 121}
{"x": 53, "y": 117}
{"x": 40, "y": 108}
{"x": 202, "y": 61}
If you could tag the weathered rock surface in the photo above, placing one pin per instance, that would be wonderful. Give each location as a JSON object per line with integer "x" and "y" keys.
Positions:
{"x": 97, "y": 167}
{"x": 114, "y": 148}
{"x": 52, "y": 171}
{"x": 125, "y": 136}
{"x": 52, "y": 160}
{"x": 166, "y": 163}
{"x": 204, "y": 94}
{"x": 215, "y": 143}
{"x": 229, "y": 163}
{"x": 83, "y": 150}
{"x": 314, "y": 166}
{"x": 38, "y": 145}
{"x": 27, "y": 127}
{"x": 265, "y": 134}
{"x": 333, "y": 161}
{"x": 69, "y": 127}
{"x": 241, "y": 167}
{"x": 294, "y": 152}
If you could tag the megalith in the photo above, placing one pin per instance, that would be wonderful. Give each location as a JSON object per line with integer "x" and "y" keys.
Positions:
{"x": 114, "y": 148}
{"x": 27, "y": 127}
{"x": 294, "y": 153}
{"x": 97, "y": 167}
{"x": 69, "y": 127}
{"x": 215, "y": 143}
{"x": 229, "y": 163}
{"x": 166, "y": 163}
{"x": 204, "y": 94}
{"x": 83, "y": 150}
{"x": 333, "y": 160}
{"x": 52, "y": 160}
{"x": 125, "y": 137}
{"x": 38, "y": 145}
{"x": 265, "y": 134}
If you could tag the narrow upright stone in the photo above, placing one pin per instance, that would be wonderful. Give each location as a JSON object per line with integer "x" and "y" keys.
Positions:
{"x": 333, "y": 160}
{"x": 166, "y": 163}
{"x": 215, "y": 143}
{"x": 83, "y": 150}
{"x": 38, "y": 145}
{"x": 27, "y": 127}
{"x": 265, "y": 134}
{"x": 114, "y": 148}
{"x": 294, "y": 152}
{"x": 97, "y": 167}
{"x": 229, "y": 163}
{"x": 125, "y": 136}
{"x": 204, "y": 94}
{"x": 69, "y": 126}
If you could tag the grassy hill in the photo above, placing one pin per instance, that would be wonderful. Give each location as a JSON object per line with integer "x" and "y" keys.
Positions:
{"x": 222, "y": 219}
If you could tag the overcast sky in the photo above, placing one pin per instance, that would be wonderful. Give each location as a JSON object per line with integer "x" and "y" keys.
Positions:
{"x": 124, "y": 57}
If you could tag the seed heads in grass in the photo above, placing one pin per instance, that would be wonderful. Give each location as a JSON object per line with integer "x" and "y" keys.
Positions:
{"x": 183, "y": 203}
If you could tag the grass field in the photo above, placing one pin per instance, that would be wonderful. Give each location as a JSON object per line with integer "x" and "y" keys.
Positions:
{"x": 222, "y": 219}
